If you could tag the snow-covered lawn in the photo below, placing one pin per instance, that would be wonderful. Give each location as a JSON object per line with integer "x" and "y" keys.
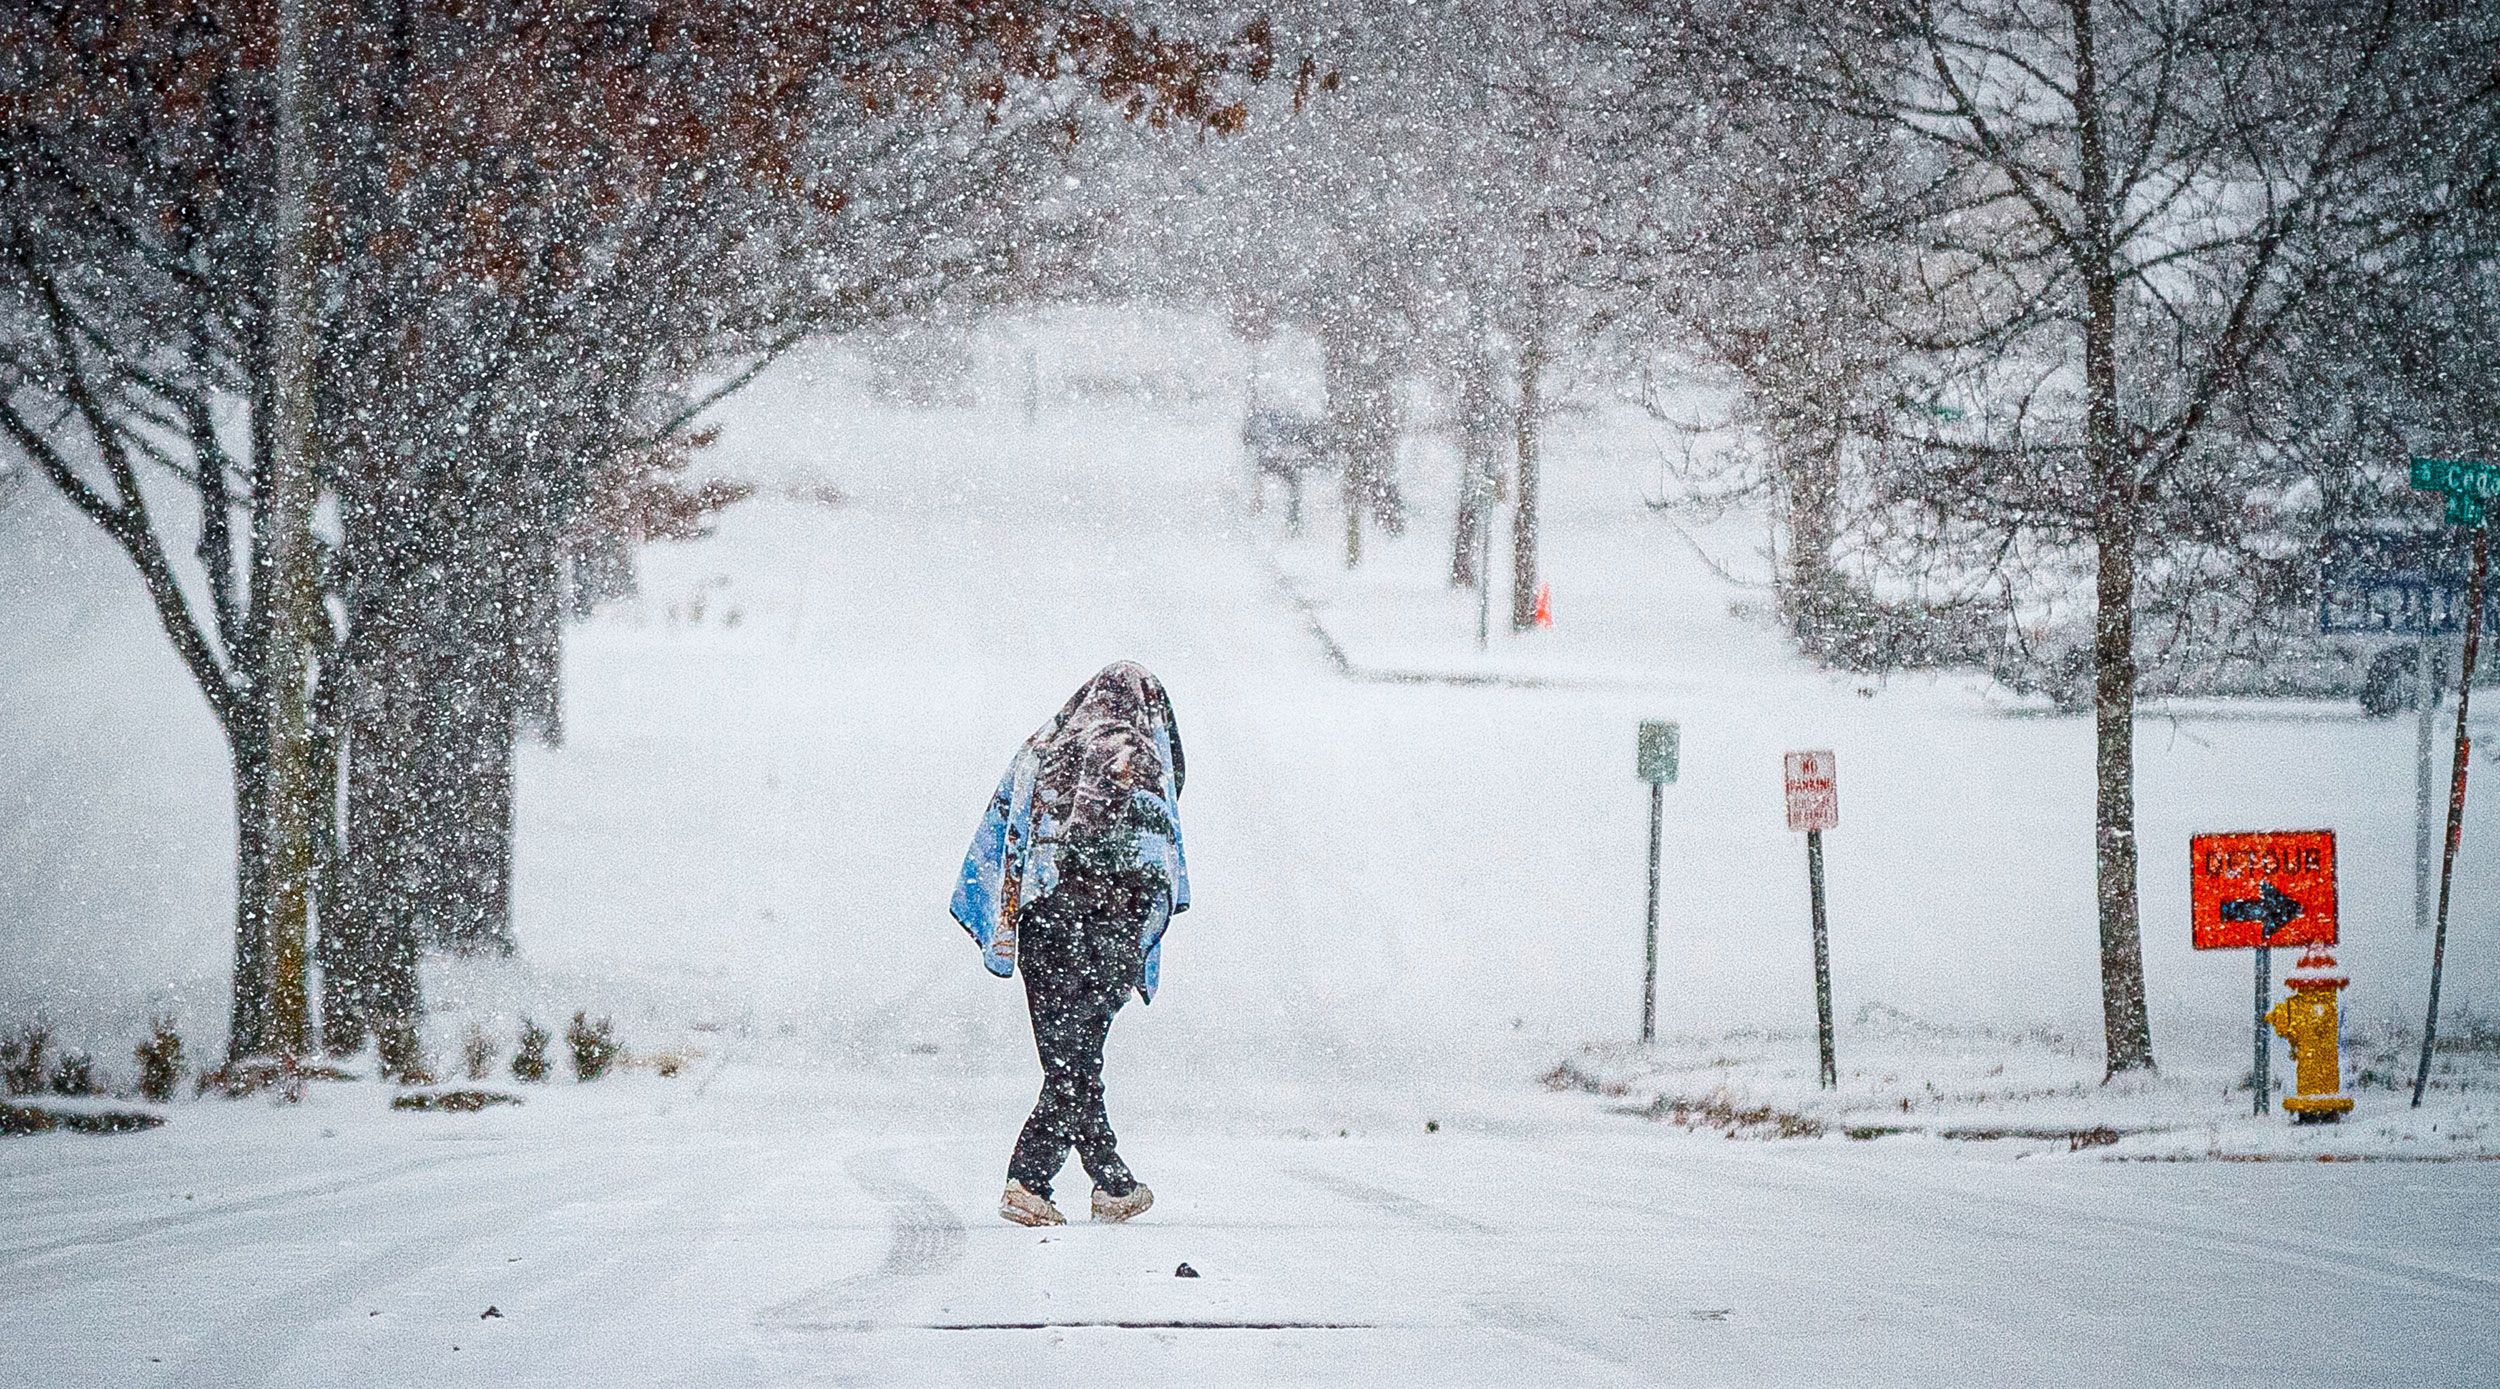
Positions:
{"x": 2039, "y": 1093}
{"x": 1413, "y": 901}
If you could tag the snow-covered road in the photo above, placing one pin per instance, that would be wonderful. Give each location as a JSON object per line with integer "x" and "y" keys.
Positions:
{"x": 1406, "y": 911}
{"x": 765, "y": 1227}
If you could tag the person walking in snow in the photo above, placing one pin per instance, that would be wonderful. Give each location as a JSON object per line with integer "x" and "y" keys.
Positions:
{"x": 1074, "y": 872}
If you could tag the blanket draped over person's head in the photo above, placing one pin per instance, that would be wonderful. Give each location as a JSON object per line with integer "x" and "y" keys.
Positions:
{"x": 1103, "y": 748}
{"x": 1106, "y": 770}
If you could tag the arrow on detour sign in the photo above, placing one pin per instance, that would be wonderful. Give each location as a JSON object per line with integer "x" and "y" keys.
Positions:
{"x": 2264, "y": 889}
{"x": 2270, "y": 909}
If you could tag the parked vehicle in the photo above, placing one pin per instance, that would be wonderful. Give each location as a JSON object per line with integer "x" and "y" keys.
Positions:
{"x": 1283, "y": 445}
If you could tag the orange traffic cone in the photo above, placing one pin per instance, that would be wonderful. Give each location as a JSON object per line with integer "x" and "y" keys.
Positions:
{"x": 1544, "y": 605}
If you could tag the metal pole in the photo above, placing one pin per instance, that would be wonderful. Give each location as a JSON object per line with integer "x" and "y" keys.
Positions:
{"x": 2260, "y": 1082}
{"x": 1649, "y": 972}
{"x": 2425, "y": 772}
{"x": 2456, "y": 800}
{"x": 1822, "y": 959}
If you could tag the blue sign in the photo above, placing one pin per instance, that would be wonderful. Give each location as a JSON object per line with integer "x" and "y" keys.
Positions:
{"x": 2401, "y": 583}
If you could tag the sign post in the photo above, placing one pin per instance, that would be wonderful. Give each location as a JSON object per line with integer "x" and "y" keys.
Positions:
{"x": 1654, "y": 759}
{"x": 2425, "y": 794}
{"x": 1810, "y": 781}
{"x": 2403, "y": 583}
{"x": 2467, "y": 485}
{"x": 2254, "y": 892}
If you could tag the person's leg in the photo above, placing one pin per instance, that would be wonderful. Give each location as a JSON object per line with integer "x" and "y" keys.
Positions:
{"x": 1107, "y": 946}
{"x": 1118, "y": 1195}
{"x": 1090, "y": 1120}
{"x": 1058, "y": 1035}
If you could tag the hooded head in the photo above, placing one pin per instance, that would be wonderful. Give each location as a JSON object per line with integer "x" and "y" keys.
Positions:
{"x": 1103, "y": 748}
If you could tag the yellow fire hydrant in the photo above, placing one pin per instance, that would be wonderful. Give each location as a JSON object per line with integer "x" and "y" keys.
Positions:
{"x": 2306, "y": 1019}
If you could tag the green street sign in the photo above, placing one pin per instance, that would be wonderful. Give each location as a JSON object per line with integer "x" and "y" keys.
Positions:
{"x": 1657, "y": 752}
{"x": 2466, "y": 482}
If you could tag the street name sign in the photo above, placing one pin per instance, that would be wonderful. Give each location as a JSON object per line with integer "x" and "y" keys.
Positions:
{"x": 2467, "y": 483}
{"x": 2262, "y": 889}
{"x": 1811, "y": 782}
{"x": 1655, "y": 752}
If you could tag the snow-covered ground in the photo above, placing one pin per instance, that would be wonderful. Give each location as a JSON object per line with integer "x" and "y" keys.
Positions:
{"x": 1414, "y": 900}
{"x": 799, "y": 1226}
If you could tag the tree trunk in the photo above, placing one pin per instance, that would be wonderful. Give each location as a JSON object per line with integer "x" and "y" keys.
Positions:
{"x": 1810, "y": 476}
{"x": 599, "y": 565}
{"x": 474, "y": 841}
{"x": 247, "y": 1029}
{"x": 475, "y": 718}
{"x": 2127, "y": 1031}
{"x": 1479, "y": 459}
{"x": 538, "y": 601}
{"x": 340, "y": 1004}
{"x": 370, "y": 941}
{"x": 429, "y": 796}
{"x": 1362, "y": 423}
{"x": 1523, "y": 525}
{"x": 1353, "y": 525}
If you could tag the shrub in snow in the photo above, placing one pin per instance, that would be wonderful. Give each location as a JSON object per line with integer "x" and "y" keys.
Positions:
{"x": 74, "y": 1074}
{"x": 529, "y": 1064}
{"x": 594, "y": 1046}
{"x": 453, "y": 1101}
{"x": 22, "y": 1059}
{"x": 287, "y": 1076}
{"x": 402, "y": 1054}
{"x": 160, "y": 1062}
{"x": 26, "y": 1118}
{"x": 477, "y": 1053}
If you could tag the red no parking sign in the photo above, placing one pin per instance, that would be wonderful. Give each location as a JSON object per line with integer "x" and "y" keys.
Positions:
{"x": 1811, "y": 780}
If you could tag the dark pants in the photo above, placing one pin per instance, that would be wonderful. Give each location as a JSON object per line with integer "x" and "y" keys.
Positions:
{"x": 1078, "y": 950}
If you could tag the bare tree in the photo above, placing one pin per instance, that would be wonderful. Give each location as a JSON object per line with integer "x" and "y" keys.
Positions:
{"x": 536, "y": 226}
{"x": 135, "y": 201}
{"x": 2121, "y": 209}
{"x": 1760, "y": 239}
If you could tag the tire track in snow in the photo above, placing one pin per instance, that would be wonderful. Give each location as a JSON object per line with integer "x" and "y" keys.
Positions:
{"x": 198, "y": 1215}
{"x": 1553, "y": 1332}
{"x": 257, "y": 1288}
{"x": 924, "y": 1236}
{"x": 254, "y": 1342}
{"x": 555, "y": 1264}
{"x": 1398, "y": 1204}
{"x": 1598, "y": 1359}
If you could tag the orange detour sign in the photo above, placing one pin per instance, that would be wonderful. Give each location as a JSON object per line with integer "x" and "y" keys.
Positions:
{"x": 2256, "y": 890}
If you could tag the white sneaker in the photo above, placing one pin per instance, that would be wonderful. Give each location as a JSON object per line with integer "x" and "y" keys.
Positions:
{"x": 1022, "y": 1206}
{"x": 1111, "y": 1210}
